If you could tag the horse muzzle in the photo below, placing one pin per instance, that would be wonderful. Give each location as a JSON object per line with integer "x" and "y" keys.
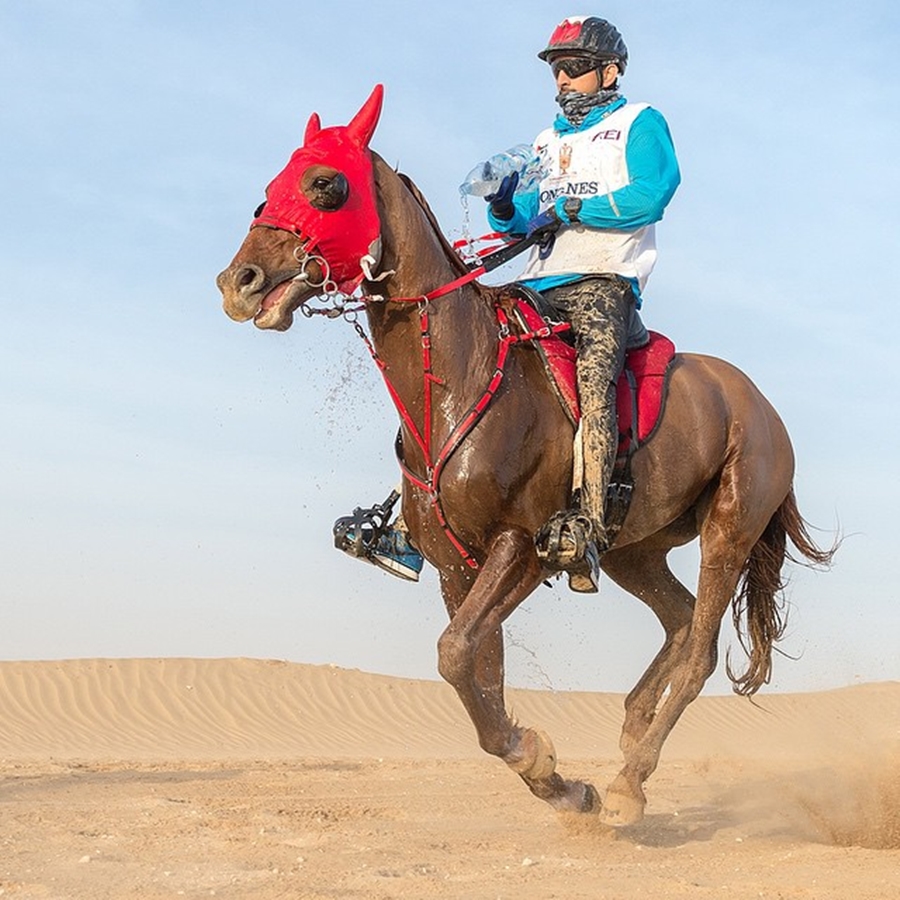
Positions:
{"x": 241, "y": 287}
{"x": 248, "y": 294}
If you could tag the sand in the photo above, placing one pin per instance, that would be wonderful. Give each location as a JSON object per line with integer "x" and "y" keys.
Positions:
{"x": 263, "y": 779}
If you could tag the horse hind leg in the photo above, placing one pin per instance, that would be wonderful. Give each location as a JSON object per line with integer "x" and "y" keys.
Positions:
{"x": 688, "y": 671}
{"x": 644, "y": 572}
{"x": 470, "y": 658}
{"x": 733, "y": 523}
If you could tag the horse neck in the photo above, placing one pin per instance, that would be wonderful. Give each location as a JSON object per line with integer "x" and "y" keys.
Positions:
{"x": 462, "y": 324}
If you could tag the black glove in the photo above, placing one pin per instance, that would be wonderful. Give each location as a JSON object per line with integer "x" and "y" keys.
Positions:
{"x": 502, "y": 205}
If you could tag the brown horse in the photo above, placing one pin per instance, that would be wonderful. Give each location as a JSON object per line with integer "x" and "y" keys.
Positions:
{"x": 719, "y": 466}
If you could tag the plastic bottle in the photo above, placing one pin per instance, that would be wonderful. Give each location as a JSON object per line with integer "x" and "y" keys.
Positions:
{"x": 485, "y": 178}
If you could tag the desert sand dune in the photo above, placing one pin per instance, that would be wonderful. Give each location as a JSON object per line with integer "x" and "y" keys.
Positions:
{"x": 249, "y": 778}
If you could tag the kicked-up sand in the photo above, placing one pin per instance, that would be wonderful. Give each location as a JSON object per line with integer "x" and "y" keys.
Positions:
{"x": 248, "y": 779}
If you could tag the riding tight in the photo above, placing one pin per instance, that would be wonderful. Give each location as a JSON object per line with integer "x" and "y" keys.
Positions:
{"x": 604, "y": 320}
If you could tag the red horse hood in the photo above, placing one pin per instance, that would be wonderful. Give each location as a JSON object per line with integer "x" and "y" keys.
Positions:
{"x": 343, "y": 236}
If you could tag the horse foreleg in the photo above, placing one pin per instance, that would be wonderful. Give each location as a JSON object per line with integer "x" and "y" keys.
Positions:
{"x": 470, "y": 658}
{"x": 644, "y": 573}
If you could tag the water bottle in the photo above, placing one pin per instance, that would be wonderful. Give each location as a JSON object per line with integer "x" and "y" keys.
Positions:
{"x": 485, "y": 178}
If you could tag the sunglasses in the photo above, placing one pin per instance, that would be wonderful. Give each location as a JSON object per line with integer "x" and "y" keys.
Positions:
{"x": 574, "y": 66}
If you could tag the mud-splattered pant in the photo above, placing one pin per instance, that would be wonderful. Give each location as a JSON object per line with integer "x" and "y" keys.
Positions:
{"x": 605, "y": 322}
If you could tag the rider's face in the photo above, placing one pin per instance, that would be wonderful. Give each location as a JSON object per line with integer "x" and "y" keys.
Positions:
{"x": 588, "y": 83}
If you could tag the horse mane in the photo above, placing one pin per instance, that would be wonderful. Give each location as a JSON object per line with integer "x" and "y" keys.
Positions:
{"x": 485, "y": 291}
{"x": 449, "y": 252}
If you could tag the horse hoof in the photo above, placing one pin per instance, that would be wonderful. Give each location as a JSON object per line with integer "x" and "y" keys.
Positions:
{"x": 536, "y": 757}
{"x": 621, "y": 809}
{"x": 578, "y": 798}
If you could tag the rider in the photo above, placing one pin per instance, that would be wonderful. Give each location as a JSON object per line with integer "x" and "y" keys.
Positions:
{"x": 609, "y": 170}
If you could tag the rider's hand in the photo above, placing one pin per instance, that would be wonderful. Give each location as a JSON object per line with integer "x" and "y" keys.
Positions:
{"x": 501, "y": 202}
{"x": 544, "y": 228}
{"x": 546, "y": 223}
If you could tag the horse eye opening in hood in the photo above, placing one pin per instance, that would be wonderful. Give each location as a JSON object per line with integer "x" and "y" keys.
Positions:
{"x": 328, "y": 193}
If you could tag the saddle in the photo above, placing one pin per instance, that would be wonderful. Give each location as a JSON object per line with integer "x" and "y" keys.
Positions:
{"x": 640, "y": 391}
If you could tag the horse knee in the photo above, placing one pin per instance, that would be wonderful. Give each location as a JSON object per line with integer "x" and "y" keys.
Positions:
{"x": 454, "y": 655}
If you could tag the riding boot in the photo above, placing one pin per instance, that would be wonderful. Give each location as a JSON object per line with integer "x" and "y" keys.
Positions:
{"x": 599, "y": 437}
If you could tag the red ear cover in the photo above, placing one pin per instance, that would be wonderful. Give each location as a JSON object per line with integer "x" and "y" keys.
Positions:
{"x": 313, "y": 127}
{"x": 363, "y": 124}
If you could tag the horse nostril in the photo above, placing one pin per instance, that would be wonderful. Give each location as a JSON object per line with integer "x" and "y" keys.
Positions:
{"x": 249, "y": 279}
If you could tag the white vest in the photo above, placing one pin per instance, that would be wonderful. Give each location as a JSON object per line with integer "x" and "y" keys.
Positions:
{"x": 587, "y": 164}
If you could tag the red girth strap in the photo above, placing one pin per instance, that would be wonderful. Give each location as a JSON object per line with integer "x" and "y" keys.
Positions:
{"x": 430, "y": 482}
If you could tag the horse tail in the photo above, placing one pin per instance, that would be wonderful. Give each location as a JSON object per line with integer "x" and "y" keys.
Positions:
{"x": 759, "y": 610}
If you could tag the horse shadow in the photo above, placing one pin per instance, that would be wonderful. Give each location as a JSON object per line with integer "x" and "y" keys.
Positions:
{"x": 695, "y": 824}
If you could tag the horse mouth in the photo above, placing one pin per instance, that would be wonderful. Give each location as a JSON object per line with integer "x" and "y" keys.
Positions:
{"x": 276, "y": 309}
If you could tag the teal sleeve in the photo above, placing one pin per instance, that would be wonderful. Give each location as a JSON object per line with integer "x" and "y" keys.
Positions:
{"x": 654, "y": 176}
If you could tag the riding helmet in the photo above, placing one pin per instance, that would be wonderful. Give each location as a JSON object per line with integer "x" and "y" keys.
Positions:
{"x": 587, "y": 36}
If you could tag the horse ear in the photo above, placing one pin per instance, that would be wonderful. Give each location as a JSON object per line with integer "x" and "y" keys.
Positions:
{"x": 313, "y": 127}
{"x": 362, "y": 126}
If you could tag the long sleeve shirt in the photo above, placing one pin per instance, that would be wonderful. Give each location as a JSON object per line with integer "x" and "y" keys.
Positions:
{"x": 653, "y": 177}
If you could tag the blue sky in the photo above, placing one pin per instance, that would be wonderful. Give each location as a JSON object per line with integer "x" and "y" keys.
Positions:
{"x": 168, "y": 478}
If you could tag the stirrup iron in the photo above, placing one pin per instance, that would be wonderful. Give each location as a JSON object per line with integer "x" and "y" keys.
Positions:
{"x": 562, "y": 542}
{"x": 358, "y": 534}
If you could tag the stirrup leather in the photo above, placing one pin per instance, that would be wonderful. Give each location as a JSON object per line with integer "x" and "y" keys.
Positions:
{"x": 358, "y": 534}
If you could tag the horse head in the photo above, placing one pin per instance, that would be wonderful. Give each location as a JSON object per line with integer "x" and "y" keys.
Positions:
{"x": 318, "y": 230}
